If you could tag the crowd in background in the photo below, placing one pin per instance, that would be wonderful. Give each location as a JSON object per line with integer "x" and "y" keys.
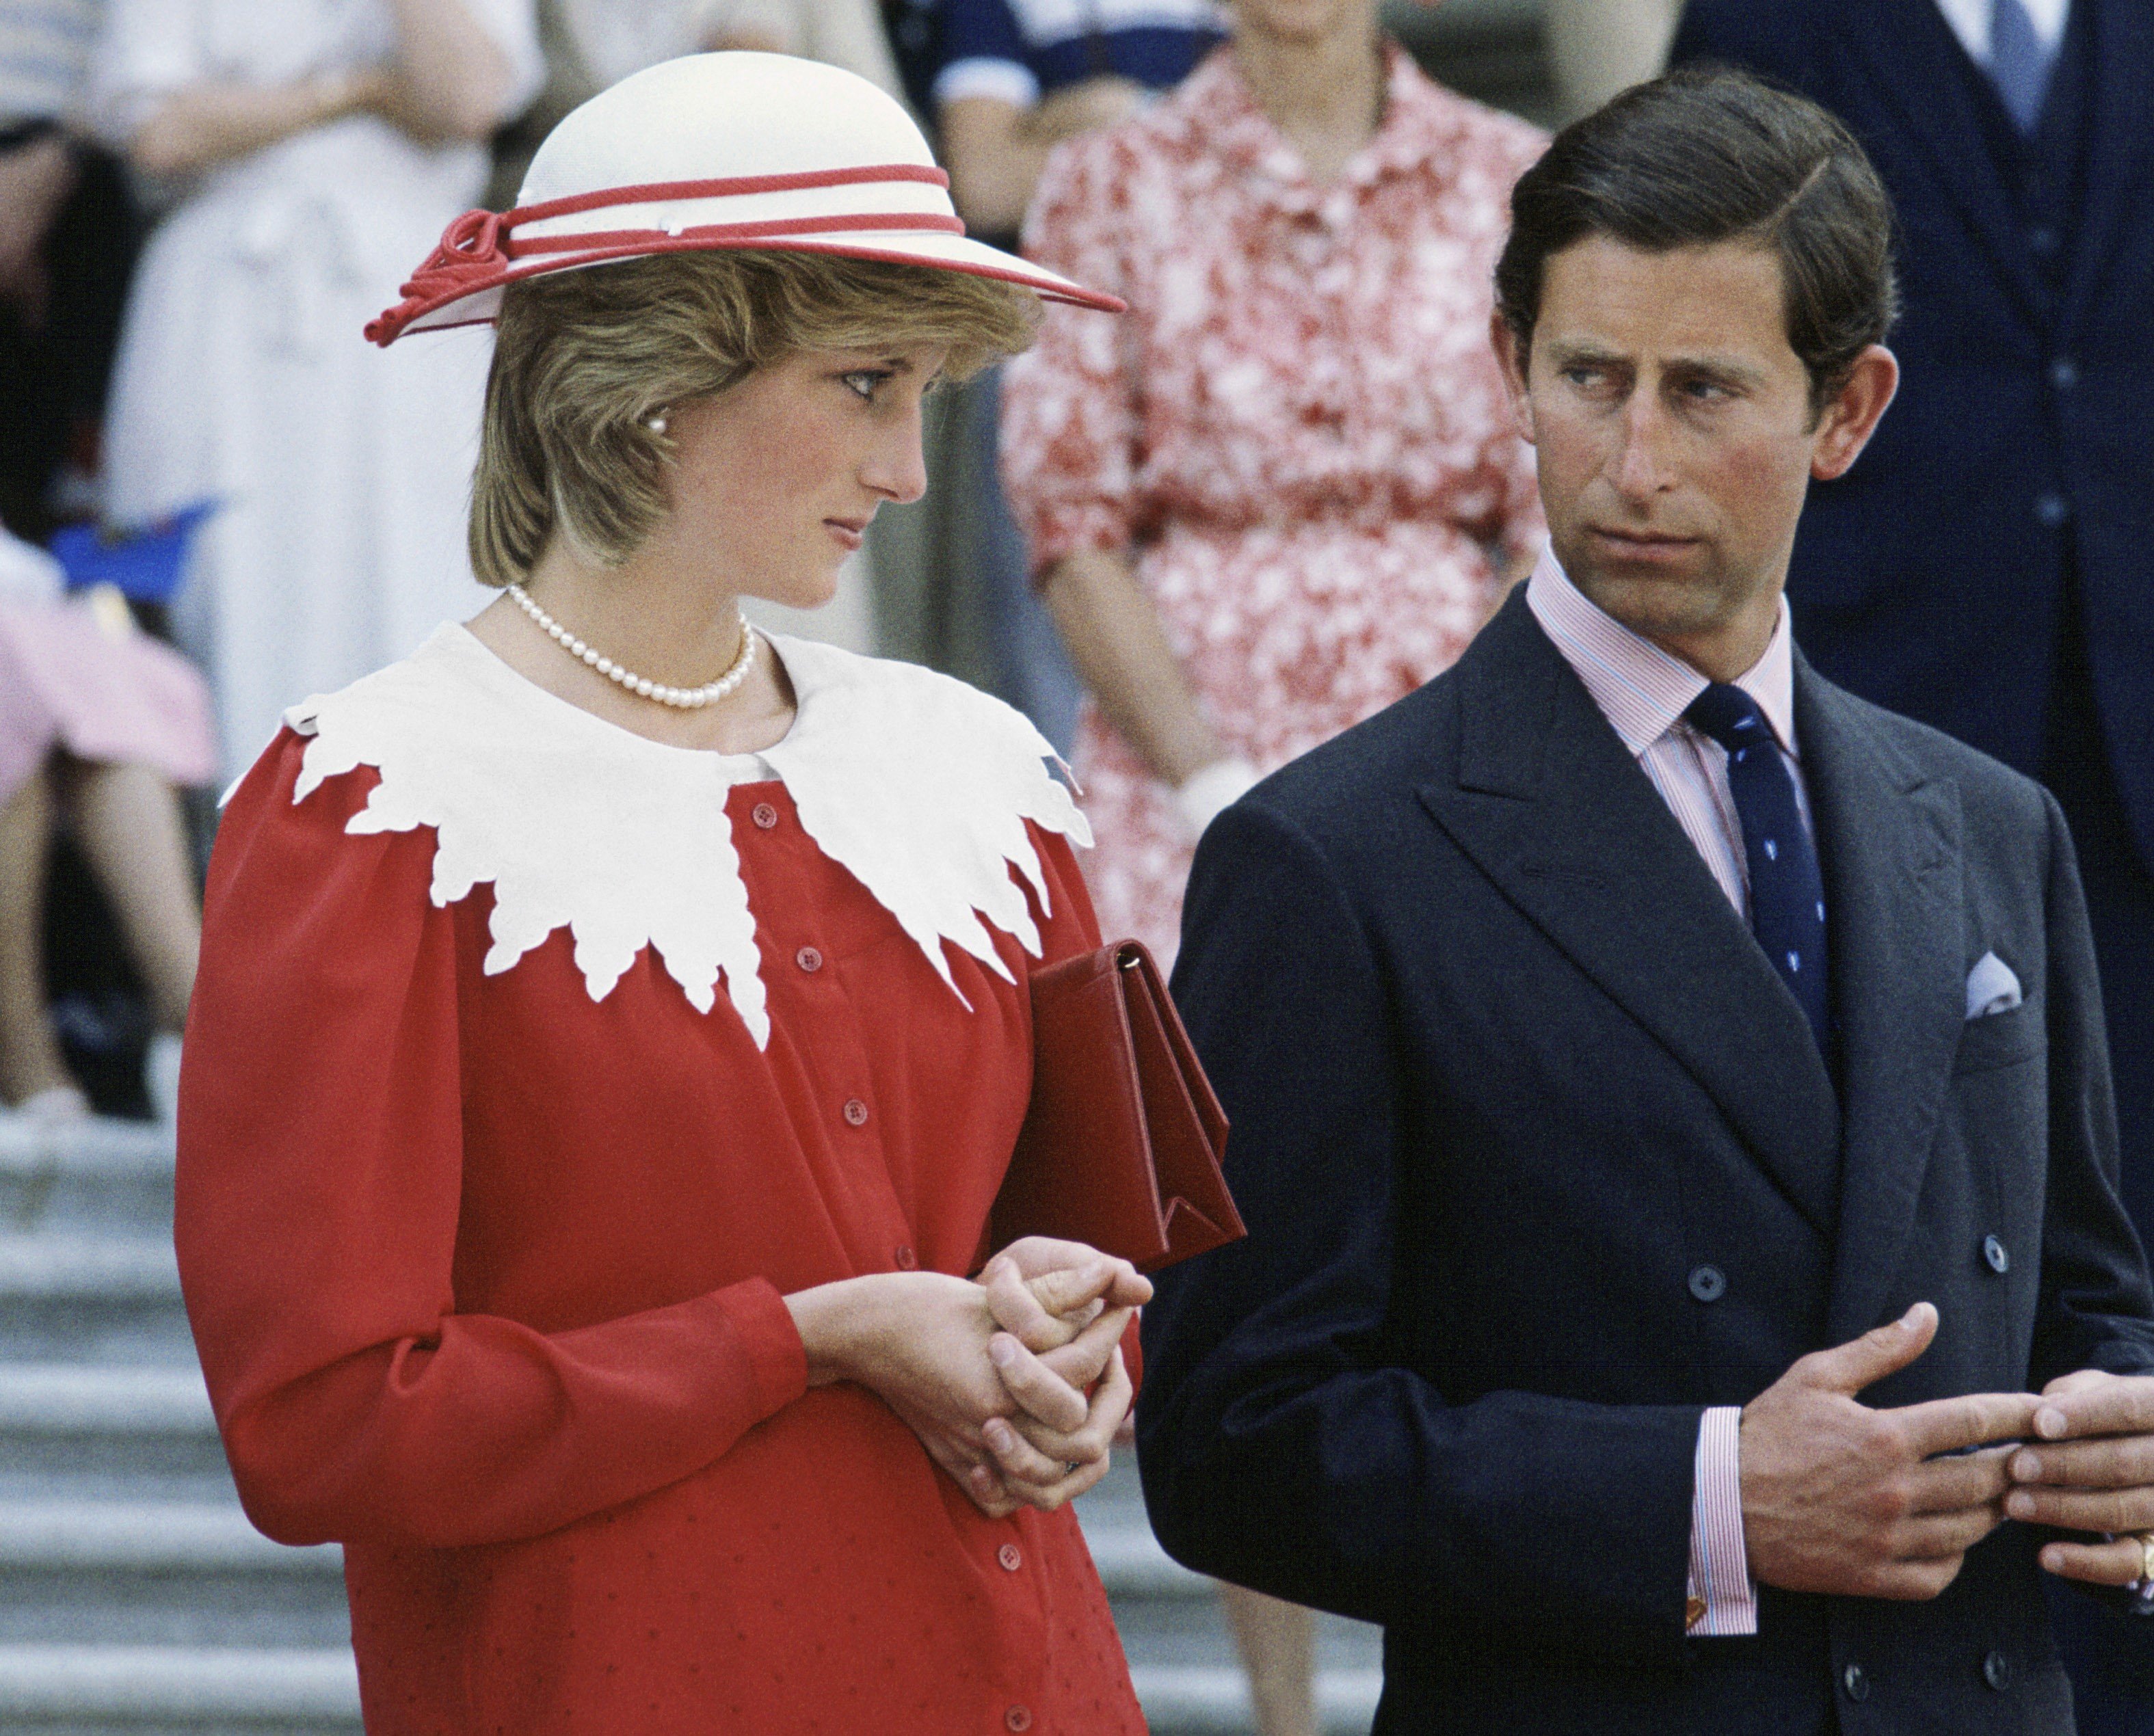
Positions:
{"x": 1191, "y": 544}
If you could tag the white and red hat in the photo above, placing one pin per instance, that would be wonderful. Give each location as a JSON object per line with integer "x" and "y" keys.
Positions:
{"x": 712, "y": 151}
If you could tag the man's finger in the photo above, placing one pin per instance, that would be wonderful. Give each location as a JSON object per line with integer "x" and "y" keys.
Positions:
{"x": 2123, "y": 1405}
{"x": 1941, "y": 1536}
{"x": 2104, "y": 1462}
{"x": 2097, "y": 1564}
{"x": 1866, "y": 1360}
{"x": 1957, "y": 1483}
{"x": 1975, "y": 1419}
{"x": 2082, "y": 1509}
{"x": 1038, "y": 1390}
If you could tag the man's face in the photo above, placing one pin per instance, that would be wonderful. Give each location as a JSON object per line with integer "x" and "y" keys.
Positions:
{"x": 1671, "y": 421}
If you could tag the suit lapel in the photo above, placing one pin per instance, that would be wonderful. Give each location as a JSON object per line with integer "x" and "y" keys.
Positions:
{"x": 1919, "y": 71}
{"x": 2119, "y": 132}
{"x": 1890, "y": 844}
{"x": 1549, "y": 805}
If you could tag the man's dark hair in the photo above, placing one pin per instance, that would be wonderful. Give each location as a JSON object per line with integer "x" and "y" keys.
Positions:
{"x": 1707, "y": 155}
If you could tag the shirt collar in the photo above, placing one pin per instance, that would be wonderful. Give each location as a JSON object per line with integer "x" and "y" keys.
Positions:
{"x": 1640, "y": 689}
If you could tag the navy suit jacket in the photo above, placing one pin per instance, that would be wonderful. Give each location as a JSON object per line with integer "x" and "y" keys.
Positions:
{"x": 1506, "y": 1073}
{"x": 1932, "y": 577}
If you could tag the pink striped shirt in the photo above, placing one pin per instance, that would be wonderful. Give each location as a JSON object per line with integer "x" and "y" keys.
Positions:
{"x": 1643, "y": 692}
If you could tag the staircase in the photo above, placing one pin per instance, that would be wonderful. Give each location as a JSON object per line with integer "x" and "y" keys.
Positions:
{"x": 136, "y": 1601}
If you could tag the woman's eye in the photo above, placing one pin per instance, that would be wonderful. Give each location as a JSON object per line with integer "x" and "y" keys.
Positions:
{"x": 864, "y": 381}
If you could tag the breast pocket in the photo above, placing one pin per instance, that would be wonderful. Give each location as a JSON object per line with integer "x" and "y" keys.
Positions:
{"x": 2002, "y": 1040}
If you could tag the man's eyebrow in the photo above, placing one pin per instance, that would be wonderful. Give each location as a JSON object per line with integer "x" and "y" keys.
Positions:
{"x": 1572, "y": 354}
{"x": 1726, "y": 370}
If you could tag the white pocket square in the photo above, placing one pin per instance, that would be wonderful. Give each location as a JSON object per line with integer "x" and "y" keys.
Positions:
{"x": 1991, "y": 988}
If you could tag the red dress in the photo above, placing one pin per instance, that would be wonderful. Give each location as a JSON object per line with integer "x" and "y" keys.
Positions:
{"x": 485, "y": 1265}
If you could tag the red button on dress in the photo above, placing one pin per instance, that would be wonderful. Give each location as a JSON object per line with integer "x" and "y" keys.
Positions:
{"x": 1011, "y": 1556}
{"x": 764, "y": 816}
{"x": 808, "y": 959}
{"x": 857, "y": 1112}
{"x": 1018, "y": 1718}
{"x": 906, "y": 1258}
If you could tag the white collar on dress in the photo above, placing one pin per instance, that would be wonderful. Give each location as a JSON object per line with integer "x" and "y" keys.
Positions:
{"x": 915, "y": 782}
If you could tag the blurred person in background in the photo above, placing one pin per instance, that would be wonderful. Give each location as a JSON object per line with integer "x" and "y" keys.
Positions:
{"x": 67, "y": 233}
{"x": 97, "y": 722}
{"x": 1988, "y": 566}
{"x": 1015, "y": 79}
{"x": 1286, "y": 490}
{"x": 311, "y": 150}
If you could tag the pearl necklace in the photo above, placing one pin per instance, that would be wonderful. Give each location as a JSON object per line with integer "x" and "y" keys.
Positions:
{"x": 682, "y": 698}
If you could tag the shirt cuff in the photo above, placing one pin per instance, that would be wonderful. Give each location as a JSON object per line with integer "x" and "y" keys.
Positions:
{"x": 1721, "y": 1601}
{"x": 776, "y": 1356}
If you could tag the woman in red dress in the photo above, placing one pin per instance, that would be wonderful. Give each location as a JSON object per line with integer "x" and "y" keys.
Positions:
{"x": 612, "y": 1026}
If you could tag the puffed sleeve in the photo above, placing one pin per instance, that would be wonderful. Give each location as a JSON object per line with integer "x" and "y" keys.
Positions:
{"x": 1071, "y": 420}
{"x": 318, "y": 1188}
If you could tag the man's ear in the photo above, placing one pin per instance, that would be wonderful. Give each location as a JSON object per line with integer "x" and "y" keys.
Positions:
{"x": 1852, "y": 414}
{"x": 1512, "y": 360}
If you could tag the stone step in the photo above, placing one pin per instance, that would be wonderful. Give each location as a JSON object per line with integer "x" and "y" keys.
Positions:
{"x": 99, "y": 1174}
{"x": 91, "y": 1427}
{"x": 67, "y": 1297}
{"x": 177, "y": 1690}
{"x": 161, "y": 1573}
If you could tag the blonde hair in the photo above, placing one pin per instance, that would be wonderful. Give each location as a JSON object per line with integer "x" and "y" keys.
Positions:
{"x": 585, "y": 359}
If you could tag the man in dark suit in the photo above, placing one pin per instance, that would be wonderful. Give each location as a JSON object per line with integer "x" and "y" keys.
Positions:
{"x": 1988, "y": 566}
{"x": 1637, "y": 1048}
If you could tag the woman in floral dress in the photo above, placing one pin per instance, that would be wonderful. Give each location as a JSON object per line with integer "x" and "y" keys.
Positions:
{"x": 1285, "y": 490}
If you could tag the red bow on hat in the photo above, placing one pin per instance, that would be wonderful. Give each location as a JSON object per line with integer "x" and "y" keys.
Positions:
{"x": 471, "y": 256}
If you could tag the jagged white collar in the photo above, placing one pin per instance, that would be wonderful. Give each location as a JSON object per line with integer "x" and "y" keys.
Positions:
{"x": 917, "y": 784}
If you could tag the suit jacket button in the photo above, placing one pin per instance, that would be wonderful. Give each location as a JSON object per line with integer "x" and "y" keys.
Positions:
{"x": 1994, "y": 1251}
{"x": 1708, "y": 1283}
{"x": 1997, "y": 1671}
{"x": 1855, "y": 1683}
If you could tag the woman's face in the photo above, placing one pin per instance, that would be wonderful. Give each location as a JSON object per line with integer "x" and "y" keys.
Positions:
{"x": 774, "y": 481}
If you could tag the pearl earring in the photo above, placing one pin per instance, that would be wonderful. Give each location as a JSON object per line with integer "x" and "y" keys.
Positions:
{"x": 656, "y": 423}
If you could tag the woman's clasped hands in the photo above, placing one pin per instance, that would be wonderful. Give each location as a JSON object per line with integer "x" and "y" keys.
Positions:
{"x": 1013, "y": 1382}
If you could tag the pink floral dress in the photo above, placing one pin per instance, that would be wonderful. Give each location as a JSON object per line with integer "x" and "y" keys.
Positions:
{"x": 1298, "y": 431}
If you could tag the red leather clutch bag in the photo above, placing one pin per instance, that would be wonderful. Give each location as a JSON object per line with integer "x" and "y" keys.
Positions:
{"x": 1121, "y": 1144}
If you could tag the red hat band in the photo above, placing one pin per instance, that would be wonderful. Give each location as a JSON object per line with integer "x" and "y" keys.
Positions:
{"x": 479, "y": 249}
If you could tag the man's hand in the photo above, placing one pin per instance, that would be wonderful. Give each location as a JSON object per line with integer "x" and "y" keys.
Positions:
{"x": 1840, "y": 1498}
{"x": 2091, "y": 1468}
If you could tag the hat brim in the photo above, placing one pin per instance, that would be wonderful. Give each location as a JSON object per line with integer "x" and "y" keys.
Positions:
{"x": 480, "y": 304}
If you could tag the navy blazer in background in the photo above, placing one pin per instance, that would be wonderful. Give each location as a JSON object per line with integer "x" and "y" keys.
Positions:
{"x": 1933, "y": 578}
{"x": 1539, "y": 1159}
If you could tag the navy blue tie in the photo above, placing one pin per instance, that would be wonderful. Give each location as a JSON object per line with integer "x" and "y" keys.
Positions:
{"x": 1787, "y": 891}
{"x": 2019, "y": 63}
